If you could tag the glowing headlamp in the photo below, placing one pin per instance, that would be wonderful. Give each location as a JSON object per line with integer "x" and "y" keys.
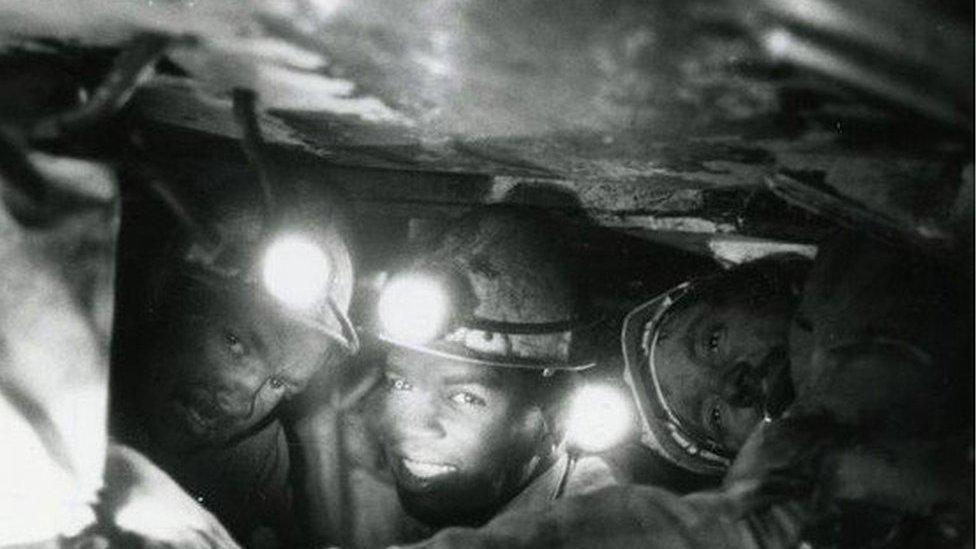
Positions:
{"x": 599, "y": 419}
{"x": 414, "y": 308}
{"x": 435, "y": 312}
{"x": 296, "y": 271}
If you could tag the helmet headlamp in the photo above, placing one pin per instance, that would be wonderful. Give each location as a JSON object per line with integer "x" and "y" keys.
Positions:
{"x": 415, "y": 308}
{"x": 599, "y": 418}
{"x": 433, "y": 311}
{"x": 296, "y": 271}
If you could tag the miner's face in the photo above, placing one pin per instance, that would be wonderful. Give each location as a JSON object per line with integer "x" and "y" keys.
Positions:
{"x": 715, "y": 360}
{"x": 221, "y": 367}
{"x": 460, "y": 437}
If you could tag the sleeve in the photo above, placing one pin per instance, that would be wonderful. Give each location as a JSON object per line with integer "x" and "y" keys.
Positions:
{"x": 637, "y": 516}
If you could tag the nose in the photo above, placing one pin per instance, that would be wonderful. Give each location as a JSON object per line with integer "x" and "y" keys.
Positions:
{"x": 741, "y": 386}
{"x": 291, "y": 380}
{"x": 418, "y": 418}
{"x": 266, "y": 398}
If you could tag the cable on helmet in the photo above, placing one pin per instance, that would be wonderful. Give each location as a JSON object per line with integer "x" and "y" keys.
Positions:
{"x": 433, "y": 311}
{"x": 291, "y": 270}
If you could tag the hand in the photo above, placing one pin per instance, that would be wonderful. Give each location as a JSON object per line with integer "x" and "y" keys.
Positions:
{"x": 144, "y": 502}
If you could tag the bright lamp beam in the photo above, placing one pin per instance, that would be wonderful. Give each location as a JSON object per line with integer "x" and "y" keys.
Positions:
{"x": 413, "y": 309}
{"x": 599, "y": 418}
{"x": 296, "y": 271}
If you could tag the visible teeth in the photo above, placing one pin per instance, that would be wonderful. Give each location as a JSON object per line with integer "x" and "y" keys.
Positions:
{"x": 426, "y": 470}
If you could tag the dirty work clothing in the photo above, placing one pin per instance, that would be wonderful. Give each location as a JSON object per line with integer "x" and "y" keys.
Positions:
{"x": 631, "y": 516}
{"x": 245, "y": 485}
{"x": 589, "y": 474}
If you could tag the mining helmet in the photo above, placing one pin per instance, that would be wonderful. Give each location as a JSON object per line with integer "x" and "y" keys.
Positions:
{"x": 292, "y": 259}
{"x": 662, "y": 430}
{"x": 497, "y": 289}
{"x": 300, "y": 268}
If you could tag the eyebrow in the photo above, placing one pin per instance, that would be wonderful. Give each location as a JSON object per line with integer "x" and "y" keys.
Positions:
{"x": 690, "y": 336}
{"x": 486, "y": 379}
{"x": 259, "y": 345}
{"x": 687, "y": 339}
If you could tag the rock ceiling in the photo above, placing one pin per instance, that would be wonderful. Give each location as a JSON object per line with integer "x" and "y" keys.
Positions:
{"x": 729, "y": 120}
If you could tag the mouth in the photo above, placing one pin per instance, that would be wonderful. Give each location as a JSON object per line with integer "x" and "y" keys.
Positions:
{"x": 422, "y": 474}
{"x": 198, "y": 410}
{"x": 427, "y": 470}
{"x": 777, "y": 384}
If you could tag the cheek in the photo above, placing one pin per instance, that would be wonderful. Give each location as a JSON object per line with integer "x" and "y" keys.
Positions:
{"x": 741, "y": 423}
{"x": 218, "y": 363}
{"x": 479, "y": 437}
{"x": 304, "y": 359}
{"x": 174, "y": 361}
{"x": 408, "y": 416}
{"x": 265, "y": 401}
{"x": 391, "y": 414}
{"x": 682, "y": 380}
{"x": 503, "y": 438}
{"x": 754, "y": 342}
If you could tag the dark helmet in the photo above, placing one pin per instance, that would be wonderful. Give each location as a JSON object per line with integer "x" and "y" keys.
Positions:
{"x": 497, "y": 289}
{"x": 300, "y": 268}
{"x": 292, "y": 259}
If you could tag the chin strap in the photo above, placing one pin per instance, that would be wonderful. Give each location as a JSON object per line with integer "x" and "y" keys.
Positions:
{"x": 572, "y": 457}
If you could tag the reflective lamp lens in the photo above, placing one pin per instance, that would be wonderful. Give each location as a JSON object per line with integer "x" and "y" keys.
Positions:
{"x": 599, "y": 418}
{"x": 296, "y": 271}
{"x": 413, "y": 309}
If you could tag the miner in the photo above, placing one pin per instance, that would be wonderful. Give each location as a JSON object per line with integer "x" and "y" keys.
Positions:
{"x": 219, "y": 339}
{"x": 481, "y": 337}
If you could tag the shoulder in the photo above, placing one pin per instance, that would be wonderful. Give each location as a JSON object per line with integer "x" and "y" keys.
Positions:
{"x": 591, "y": 473}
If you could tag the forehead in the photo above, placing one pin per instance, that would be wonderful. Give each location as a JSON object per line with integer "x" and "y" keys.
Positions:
{"x": 443, "y": 370}
{"x": 688, "y": 313}
{"x": 685, "y": 377}
{"x": 272, "y": 337}
{"x": 674, "y": 359}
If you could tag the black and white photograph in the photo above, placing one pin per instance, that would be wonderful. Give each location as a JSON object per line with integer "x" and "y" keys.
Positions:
{"x": 487, "y": 274}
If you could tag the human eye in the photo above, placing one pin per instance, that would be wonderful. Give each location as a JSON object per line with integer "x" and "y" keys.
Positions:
{"x": 234, "y": 344}
{"x": 465, "y": 398}
{"x": 396, "y": 383}
{"x": 714, "y": 418}
{"x": 712, "y": 340}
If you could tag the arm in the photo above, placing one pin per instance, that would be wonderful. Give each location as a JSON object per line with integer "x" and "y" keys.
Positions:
{"x": 140, "y": 500}
{"x": 638, "y": 516}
